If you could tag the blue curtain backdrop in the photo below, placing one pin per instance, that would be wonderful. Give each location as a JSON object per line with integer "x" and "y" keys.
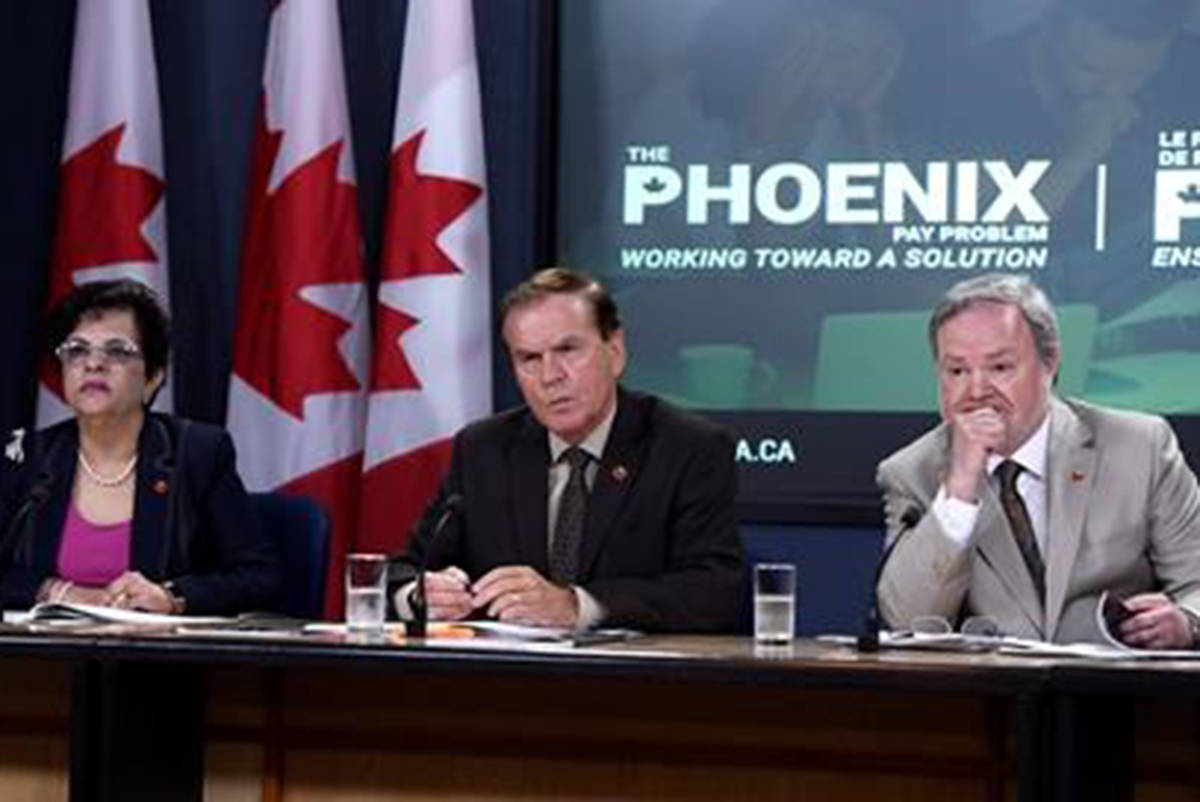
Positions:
{"x": 209, "y": 55}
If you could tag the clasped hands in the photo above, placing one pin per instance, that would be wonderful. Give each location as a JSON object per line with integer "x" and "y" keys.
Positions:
{"x": 130, "y": 591}
{"x": 514, "y": 594}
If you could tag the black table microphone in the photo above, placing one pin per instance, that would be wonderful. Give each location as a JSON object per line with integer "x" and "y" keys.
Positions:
{"x": 38, "y": 495}
{"x": 417, "y": 626}
{"x": 868, "y": 640}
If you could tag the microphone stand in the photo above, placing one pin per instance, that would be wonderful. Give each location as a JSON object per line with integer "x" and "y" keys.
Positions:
{"x": 39, "y": 494}
{"x": 417, "y": 627}
{"x": 868, "y": 639}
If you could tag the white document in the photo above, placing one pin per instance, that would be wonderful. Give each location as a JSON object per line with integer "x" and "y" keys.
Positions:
{"x": 499, "y": 632}
{"x": 66, "y": 613}
{"x": 1008, "y": 645}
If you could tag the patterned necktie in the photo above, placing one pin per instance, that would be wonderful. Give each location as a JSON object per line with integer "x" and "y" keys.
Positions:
{"x": 1022, "y": 528}
{"x": 568, "y": 529}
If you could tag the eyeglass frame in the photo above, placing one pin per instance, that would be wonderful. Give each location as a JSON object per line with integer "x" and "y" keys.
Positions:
{"x": 975, "y": 626}
{"x": 977, "y": 633}
{"x": 77, "y": 351}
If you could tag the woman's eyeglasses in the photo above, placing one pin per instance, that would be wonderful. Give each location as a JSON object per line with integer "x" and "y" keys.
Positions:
{"x": 73, "y": 353}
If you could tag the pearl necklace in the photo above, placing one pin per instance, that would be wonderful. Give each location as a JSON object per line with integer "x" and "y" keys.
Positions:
{"x": 116, "y": 481}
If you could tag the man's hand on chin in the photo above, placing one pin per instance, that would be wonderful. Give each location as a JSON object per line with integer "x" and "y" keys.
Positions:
{"x": 517, "y": 594}
{"x": 974, "y": 435}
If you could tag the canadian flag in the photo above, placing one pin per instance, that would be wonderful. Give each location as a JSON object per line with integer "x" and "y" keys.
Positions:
{"x": 112, "y": 208}
{"x": 431, "y": 369}
{"x": 296, "y": 397}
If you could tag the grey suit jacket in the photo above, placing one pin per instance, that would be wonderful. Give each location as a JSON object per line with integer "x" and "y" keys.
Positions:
{"x": 1123, "y": 514}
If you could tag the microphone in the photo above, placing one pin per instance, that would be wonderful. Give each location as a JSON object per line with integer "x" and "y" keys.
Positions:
{"x": 868, "y": 640}
{"x": 39, "y": 494}
{"x": 450, "y": 507}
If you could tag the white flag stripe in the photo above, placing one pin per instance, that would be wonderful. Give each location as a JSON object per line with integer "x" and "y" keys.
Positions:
{"x": 306, "y": 95}
{"x": 453, "y": 143}
{"x": 274, "y": 447}
{"x": 439, "y": 41}
{"x": 50, "y": 408}
{"x": 114, "y": 80}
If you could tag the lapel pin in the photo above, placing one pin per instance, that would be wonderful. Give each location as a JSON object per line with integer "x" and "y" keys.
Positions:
{"x": 620, "y": 473}
{"x": 160, "y": 487}
{"x": 1076, "y": 476}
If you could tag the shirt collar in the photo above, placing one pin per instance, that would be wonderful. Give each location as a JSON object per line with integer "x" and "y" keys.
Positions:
{"x": 593, "y": 444}
{"x": 1031, "y": 455}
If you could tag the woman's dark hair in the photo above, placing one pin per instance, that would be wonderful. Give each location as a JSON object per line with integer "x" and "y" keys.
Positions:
{"x": 94, "y": 298}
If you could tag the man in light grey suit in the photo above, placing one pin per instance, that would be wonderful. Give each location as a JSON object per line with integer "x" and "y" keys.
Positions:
{"x": 1025, "y": 507}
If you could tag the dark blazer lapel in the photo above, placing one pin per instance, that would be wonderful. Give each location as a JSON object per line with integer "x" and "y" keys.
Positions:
{"x": 58, "y": 470}
{"x": 615, "y": 476}
{"x": 154, "y": 477}
{"x": 1069, "y": 472}
{"x": 528, "y": 466}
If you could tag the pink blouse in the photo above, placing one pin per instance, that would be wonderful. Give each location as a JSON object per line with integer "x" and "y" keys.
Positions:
{"x": 92, "y": 554}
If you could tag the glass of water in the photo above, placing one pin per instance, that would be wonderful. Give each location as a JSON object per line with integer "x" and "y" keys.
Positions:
{"x": 366, "y": 581}
{"x": 774, "y": 603}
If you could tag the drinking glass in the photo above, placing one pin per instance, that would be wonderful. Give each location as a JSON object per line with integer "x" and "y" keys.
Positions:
{"x": 774, "y": 603}
{"x": 366, "y": 580}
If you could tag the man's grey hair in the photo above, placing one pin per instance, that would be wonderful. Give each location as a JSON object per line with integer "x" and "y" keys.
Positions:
{"x": 1002, "y": 288}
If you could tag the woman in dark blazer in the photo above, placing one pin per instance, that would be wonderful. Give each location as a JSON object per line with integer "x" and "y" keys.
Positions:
{"x": 119, "y": 506}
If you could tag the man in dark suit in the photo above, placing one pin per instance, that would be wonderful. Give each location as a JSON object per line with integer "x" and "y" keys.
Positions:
{"x": 591, "y": 505}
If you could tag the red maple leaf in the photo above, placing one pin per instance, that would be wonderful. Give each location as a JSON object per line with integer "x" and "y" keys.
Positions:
{"x": 101, "y": 208}
{"x": 422, "y": 206}
{"x": 391, "y": 369}
{"x": 303, "y": 233}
